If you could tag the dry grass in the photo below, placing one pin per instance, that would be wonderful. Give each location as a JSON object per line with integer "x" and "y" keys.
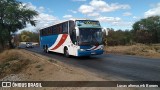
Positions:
{"x": 138, "y": 49}
{"x": 38, "y": 67}
{"x": 12, "y": 62}
{"x": 35, "y": 67}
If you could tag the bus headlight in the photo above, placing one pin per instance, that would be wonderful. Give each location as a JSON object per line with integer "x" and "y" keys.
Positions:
{"x": 102, "y": 47}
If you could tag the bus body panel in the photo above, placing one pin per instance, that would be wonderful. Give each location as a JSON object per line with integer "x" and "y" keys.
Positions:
{"x": 90, "y": 50}
{"x": 53, "y": 41}
{"x": 48, "y": 40}
{"x": 57, "y": 43}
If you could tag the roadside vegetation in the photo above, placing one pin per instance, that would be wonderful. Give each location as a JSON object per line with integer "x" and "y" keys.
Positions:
{"x": 14, "y": 16}
{"x": 145, "y": 31}
{"x": 138, "y": 49}
{"x": 32, "y": 66}
{"x": 26, "y": 36}
{"x": 142, "y": 40}
{"x": 12, "y": 62}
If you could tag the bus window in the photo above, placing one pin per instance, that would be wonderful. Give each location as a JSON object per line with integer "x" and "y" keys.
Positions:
{"x": 60, "y": 28}
{"x": 44, "y": 32}
{"x": 41, "y": 33}
{"x": 50, "y": 31}
{"x": 53, "y": 30}
{"x": 47, "y": 31}
{"x": 71, "y": 25}
{"x": 72, "y": 32}
{"x": 65, "y": 27}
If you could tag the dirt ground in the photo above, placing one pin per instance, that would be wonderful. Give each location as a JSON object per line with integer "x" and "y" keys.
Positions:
{"x": 22, "y": 65}
{"x": 152, "y": 51}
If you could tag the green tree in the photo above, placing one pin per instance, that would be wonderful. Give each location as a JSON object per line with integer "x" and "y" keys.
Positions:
{"x": 27, "y": 36}
{"x": 148, "y": 29}
{"x": 119, "y": 37}
{"x": 14, "y": 16}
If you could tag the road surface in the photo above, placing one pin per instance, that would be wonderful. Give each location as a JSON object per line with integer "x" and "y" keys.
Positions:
{"x": 113, "y": 67}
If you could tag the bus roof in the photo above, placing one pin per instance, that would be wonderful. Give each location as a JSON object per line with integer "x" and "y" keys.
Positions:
{"x": 65, "y": 21}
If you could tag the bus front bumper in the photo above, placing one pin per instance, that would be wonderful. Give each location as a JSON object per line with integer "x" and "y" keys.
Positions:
{"x": 89, "y": 53}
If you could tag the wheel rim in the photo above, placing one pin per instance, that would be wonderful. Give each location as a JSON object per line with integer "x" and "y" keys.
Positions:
{"x": 66, "y": 53}
{"x": 46, "y": 49}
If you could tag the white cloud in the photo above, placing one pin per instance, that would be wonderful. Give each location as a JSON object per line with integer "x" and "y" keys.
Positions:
{"x": 42, "y": 19}
{"x": 109, "y": 19}
{"x": 85, "y": 9}
{"x": 153, "y": 11}
{"x": 102, "y": 6}
{"x": 41, "y": 9}
{"x": 73, "y": 11}
{"x": 135, "y": 17}
{"x": 95, "y": 14}
{"x": 45, "y": 17}
{"x": 98, "y": 3}
{"x": 67, "y": 16}
{"x": 127, "y": 14}
{"x": 95, "y": 7}
{"x": 29, "y": 6}
{"x": 122, "y": 24}
{"x": 79, "y": 0}
{"x": 115, "y": 22}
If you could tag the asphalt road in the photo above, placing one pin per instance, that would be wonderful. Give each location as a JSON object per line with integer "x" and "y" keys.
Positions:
{"x": 113, "y": 67}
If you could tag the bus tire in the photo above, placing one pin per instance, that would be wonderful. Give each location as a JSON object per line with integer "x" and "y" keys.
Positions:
{"x": 66, "y": 52}
{"x": 44, "y": 47}
{"x": 47, "y": 51}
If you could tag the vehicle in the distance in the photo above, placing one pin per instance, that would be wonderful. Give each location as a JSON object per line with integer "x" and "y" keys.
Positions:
{"x": 73, "y": 37}
{"x": 29, "y": 45}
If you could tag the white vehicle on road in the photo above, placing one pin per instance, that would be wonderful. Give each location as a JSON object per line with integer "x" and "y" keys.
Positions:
{"x": 29, "y": 45}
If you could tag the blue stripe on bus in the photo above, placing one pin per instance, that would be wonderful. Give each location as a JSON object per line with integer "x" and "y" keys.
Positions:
{"x": 86, "y": 47}
{"x": 48, "y": 40}
{"x": 91, "y": 52}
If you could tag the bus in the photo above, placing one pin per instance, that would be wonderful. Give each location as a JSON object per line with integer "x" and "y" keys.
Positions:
{"x": 73, "y": 38}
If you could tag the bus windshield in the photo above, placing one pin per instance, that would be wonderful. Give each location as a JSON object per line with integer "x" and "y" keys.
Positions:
{"x": 90, "y": 36}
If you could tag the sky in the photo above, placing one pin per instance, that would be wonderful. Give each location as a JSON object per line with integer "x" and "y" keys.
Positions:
{"x": 116, "y": 14}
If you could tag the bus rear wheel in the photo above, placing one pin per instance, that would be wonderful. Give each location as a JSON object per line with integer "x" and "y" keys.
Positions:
{"x": 66, "y": 52}
{"x": 46, "y": 49}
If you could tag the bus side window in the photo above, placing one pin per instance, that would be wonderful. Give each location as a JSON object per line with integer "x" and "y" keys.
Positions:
{"x": 45, "y": 31}
{"x": 72, "y": 32}
{"x": 56, "y": 29}
{"x": 41, "y": 32}
{"x": 48, "y": 31}
{"x": 60, "y": 28}
{"x": 71, "y": 25}
{"x": 74, "y": 36}
{"x": 53, "y": 30}
{"x": 65, "y": 27}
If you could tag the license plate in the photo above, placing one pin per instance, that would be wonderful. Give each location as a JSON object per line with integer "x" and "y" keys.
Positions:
{"x": 93, "y": 53}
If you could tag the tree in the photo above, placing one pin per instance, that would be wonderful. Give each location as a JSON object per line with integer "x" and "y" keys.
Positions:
{"x": 27, "y": 36}
{"x": 150, "y": 27}
{"x": 14, "y": 16}
{"x": 119, "y": 37}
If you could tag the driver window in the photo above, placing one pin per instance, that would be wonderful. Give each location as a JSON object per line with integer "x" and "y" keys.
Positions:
{"x": 72, "y": 32}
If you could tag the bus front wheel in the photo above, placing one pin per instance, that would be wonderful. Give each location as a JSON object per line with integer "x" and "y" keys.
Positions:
{"x": 66, "y": 52}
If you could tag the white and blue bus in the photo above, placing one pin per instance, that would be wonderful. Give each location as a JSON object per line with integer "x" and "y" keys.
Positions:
{"x": 73, "y": 37}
